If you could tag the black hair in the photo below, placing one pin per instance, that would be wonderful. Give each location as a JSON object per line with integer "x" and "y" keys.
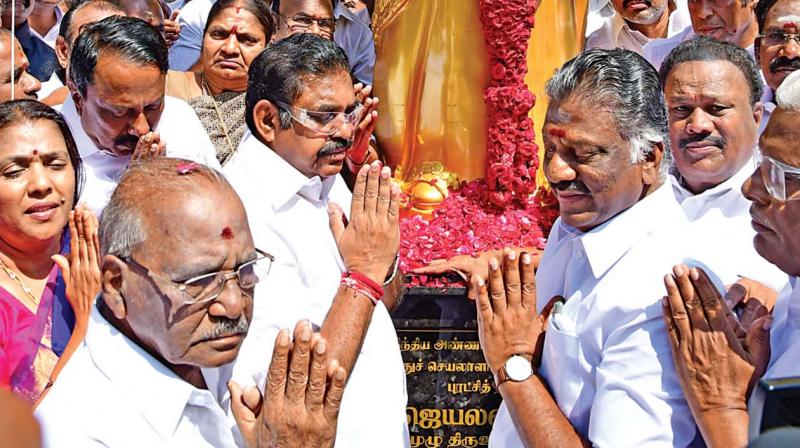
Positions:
{"x": 258, "y": 8}
{"x": 21, "y": 111}
{"x": 704, "y": 48}
{"x": 128, "y": 37}
{"x": 281, "y": 71}
{"x": 762, "y": 9}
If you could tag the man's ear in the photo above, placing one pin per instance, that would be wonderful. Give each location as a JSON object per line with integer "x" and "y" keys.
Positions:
{"x": 76, "y": 96}
{"x": 266, "y": 120}
{"x": 62, "y": 51}
{"x": 651, "y": 166}
{"x": 758, "y": 112}
{"x": 113, "y": 281}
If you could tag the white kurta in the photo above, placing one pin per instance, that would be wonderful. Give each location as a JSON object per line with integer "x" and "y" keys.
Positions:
{"x": 113, "y": 393}
{"x": 615, "y": 31}
{"x": 288, "y": 217}
{"x": 606, "y": 357}
{"x": 720, "y": 216}
{"x": 179, "y": 127}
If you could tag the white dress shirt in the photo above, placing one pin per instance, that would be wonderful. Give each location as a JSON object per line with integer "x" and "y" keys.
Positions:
{"x": 657, "y": 50}
{"x": 785, "y": 334}
{"x": 355, "y": 37}
{"x": 606, "y": 355}
{"x": 598, "y": 12}
{"x": 49, "y": 86}
{"x": 113, "y": 393}
{"x": 720, "y": 216}
{"x": 615, "y": 31}
{"x": 352, "y": 34}
{"x": 288, "y": 217}
{"x": 179, "y": 127}
{"x": 768, "y": 101}
{"x": 50, "y": 36}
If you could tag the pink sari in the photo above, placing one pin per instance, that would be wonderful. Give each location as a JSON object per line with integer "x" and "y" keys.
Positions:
{"x": 26, "y": 347}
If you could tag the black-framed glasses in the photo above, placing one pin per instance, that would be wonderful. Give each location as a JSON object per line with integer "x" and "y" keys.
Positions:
{"x": 772, "y": 39}
{"x": 301, "y": 22}
{"x": 207, "y": 287}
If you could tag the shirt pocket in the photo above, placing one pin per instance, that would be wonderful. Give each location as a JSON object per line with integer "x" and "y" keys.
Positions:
{"x": 561, "y": 367}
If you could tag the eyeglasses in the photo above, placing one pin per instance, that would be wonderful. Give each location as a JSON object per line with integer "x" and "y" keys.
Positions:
{"x": 326, "y": 123}
{"x": 774, "y": 173}
{"x": 207, "y": 287}
{"x": 778, "y": 38}
{"x": 304, "y": 23}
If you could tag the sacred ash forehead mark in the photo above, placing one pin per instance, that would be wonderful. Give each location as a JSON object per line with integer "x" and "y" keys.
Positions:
{"x": 789, "y": 21}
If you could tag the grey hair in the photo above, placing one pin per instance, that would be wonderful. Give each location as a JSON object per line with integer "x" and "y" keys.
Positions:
{"x": 626, "y": 85}
{"x": 787, "y": 96}
{"x": 144, "y": 186}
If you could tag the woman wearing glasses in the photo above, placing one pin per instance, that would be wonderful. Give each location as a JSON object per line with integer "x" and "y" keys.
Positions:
{"x": 44, "y": 298}
{"x": 236, "y": 32}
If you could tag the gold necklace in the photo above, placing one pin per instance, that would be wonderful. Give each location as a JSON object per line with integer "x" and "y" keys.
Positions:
{"x": 16, "y": 278}
{"x": 207, "y": 91}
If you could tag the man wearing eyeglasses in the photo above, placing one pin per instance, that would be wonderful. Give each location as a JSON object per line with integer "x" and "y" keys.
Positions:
{"x": 301, "y": 112}
{"x": 179, "y": 271}
{"x": 712, "y": 92}
{"x": 777, "y": 47}
{"x": 714, "y": 347}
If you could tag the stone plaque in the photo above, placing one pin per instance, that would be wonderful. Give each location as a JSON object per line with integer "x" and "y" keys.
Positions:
{"x": 452, "y": 400}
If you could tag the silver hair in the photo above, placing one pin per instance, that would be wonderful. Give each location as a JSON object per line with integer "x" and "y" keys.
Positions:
{"x": 787, "y": 96}
{"x": 626, "y": 85}
{"x": 145, "y": 185}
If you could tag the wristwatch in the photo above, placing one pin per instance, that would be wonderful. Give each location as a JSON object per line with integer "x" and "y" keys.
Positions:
{"x": 516, "y": 369}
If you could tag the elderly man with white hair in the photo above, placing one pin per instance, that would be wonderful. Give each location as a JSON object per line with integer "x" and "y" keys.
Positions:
{"x": 719, "y": 361}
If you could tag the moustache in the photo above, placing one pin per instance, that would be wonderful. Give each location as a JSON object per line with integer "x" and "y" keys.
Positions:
{"x": 335, "y": 146}
{"x": 127, "y": 140}
{"x": 784, "y": 62}
{"x": 570, "y": 185}
{"x": 709, "y": 140}
{"x": 226, "y": 327}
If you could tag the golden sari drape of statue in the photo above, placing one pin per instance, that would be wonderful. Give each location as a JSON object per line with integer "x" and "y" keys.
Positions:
{"x": 431, "y": 71}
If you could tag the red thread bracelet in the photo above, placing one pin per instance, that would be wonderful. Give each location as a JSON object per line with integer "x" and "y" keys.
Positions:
{"x": 363, "y": 285}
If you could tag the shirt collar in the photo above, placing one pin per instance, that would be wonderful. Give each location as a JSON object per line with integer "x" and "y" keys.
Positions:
{"x": 86, "y": 146}
{"x": 734, "y": 183}
{"x": 608, "y": 243}
{"x": 158, "y": 394}
{"x": 768, "y": 100}
{"x": 277, "y": 176}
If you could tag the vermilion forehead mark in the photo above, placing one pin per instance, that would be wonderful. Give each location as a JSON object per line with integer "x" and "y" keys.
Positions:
{"x": 35, "y": 152}
{"x": 234, "y": 28}
{"x": 790, "y": 25}
{"x": 237, "y": 9}
{"x": 227, "y": 233}
{"x": 555, "y": 132}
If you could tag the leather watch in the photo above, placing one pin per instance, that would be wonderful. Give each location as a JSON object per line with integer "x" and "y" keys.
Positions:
{"x": 516, "y": 368}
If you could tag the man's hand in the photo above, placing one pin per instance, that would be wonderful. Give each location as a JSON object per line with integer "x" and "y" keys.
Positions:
{"x": 508, "y": 322}
{"x": 172, "y": 29}
{"x": 149, "y": 147}
{"x": 715, "y": 368}
{"x": 369, "y": 242}
{"x": 753, "y": 298}
{"x": 301, "y": 402}
{"x": 80, "y": 268}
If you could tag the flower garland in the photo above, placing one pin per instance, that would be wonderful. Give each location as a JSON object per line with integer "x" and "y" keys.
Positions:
{"x": 512, "y": 155}
{"x": 502, "y": 209}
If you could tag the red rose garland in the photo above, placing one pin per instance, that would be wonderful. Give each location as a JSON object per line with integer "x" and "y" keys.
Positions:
{"x": 500, "y": 210}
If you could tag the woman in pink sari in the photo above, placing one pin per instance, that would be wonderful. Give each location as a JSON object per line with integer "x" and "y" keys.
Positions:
{"x": 45, "y": 293}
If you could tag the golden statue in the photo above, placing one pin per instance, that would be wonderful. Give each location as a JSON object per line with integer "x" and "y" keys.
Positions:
{"x": 432, "y": 68}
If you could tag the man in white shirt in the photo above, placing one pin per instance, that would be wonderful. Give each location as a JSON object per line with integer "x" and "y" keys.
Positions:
{"x": 117, "y": 109}
{"x": 604, "y": 351}
{"x": 176, "y": 306}
{"x": 87, "y": 11}
{"x": 636, "y": 23}
{"x": 730, "y": 359}
{"x": 712, "y": 92}
{"x": 731, "y": 21}
{"x": 777, "y": 47}
{"x": 301, "y": 115}
{"x": 45, "y": 20}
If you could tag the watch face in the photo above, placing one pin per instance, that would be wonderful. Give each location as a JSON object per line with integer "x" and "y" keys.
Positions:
{"x": 518, "y": 368}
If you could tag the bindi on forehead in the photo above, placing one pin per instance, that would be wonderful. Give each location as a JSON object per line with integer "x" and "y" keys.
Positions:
{"x": 227, "y": 233}
{"x": 238, "y": 8}
{"x": 35, "y": 152}
{"x": 234, "y": 27}
{"x": 557, "y": 132}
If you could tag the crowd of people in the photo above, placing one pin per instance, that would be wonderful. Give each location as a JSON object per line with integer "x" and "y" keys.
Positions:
{"x": 198, "y": 238}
